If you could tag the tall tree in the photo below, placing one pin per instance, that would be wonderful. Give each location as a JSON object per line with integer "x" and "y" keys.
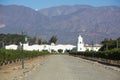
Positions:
{"x": 109, "y": 44}
{"x": 53, "y": 39}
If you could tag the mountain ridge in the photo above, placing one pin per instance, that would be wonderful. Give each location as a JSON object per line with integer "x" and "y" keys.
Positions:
{"x": 67, "y": 22}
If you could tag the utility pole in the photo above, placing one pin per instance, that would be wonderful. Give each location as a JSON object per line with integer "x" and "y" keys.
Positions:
{"x": 92, "y": 46}
{"x": 92, "y": 49}
{"x": 3, "y": 45}
{"x": 117, "y": 44}
{"x": 22, "y": 52}
{"x": 106, "y": 46}
{"x": 0, "y": 44}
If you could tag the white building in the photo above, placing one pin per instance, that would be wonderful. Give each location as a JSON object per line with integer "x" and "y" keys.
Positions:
{"x": 53, "y": 47}
{"x": 12, "y": 46}
{"x": 83, "y": 47}
{"x": 80, "y": 44}
{"x": 37, "y": 47}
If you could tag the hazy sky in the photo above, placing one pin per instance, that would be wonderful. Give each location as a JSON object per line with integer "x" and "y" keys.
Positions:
{"x": 40, "y": 4}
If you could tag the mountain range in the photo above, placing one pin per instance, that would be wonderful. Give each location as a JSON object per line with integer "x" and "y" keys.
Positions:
{"x": 66, "y": 22}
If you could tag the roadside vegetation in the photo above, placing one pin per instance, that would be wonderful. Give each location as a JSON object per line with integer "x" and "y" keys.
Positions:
{"x": 7, "y": 39}
{"x": 109, "y": 50}
{"x": 113, "y": 54}
{"x": 13, "y": 56}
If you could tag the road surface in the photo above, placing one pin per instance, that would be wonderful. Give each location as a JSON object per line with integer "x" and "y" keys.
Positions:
{"x": 65, "y": 67}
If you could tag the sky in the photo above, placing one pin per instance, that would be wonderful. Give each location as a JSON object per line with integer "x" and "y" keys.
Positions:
{"x": 41, "y": 4}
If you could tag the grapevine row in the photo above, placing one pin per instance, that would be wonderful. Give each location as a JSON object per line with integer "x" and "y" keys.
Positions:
{"x": 10, "y": 56}
{"x": 113, "y": 54}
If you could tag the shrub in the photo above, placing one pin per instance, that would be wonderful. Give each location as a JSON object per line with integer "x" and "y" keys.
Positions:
{"x": 113, "y": 54}
{"x": 60, "y": 50}
{"x": 8, "y": 56}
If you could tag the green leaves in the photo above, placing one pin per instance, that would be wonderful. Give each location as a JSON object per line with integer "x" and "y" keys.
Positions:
{"x": 9, "y": 56}
{"x": 113, "y": 54}
{"x": 109, "y": 44}
{"x": 53, "y": 39}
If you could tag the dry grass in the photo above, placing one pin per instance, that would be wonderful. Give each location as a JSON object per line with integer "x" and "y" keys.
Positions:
{"x": 14, "y": 70}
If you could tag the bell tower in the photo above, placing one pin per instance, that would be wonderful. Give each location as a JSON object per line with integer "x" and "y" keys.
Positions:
{"x": 80, "y": 44}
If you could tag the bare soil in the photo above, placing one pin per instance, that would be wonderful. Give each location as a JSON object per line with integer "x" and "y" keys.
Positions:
{"x": 14, "y": 71}
{"x": 59, "y": 67}
{"x": 65, "y": 67}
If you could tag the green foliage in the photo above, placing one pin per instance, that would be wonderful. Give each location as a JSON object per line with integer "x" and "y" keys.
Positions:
{"x": 10, "y": 39}
{"x": 109, "y": 50}
{"x": 113, "y": 54}
{"x": 53, "y": 39}
{"x": 6, "y": 39}
{"x": 45, "y": 51}
{"x": 8, "y": 56}
{"x": 60, "y": 50}
{"x": 53, "y": 51}
{"x": 109, "y": 44}
{"x": 35, "y": 40}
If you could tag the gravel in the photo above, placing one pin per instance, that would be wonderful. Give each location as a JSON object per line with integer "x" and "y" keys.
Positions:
{"x": 65, "y": 67}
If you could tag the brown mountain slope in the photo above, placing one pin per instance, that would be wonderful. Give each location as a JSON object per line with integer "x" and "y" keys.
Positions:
{"x": 67, "y": 22}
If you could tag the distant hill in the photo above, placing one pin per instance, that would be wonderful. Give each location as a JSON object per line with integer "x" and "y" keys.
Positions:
{"x": 67, "y": 22}
{"x": 63, "y": 10}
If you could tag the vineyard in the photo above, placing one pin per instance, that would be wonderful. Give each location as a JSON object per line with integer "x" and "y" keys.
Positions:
{"x": 12, "y": 56}
{"x": 113, "y": 54}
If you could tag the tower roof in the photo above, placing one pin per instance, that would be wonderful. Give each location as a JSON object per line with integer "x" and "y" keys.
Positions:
{"x": 79, "y": 36}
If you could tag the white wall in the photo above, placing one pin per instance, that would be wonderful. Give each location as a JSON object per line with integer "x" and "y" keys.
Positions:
{"x": 80, "y": 44}
{"x": 42, "y": 47}
{"x": 94, "y": 48}
{"x": 12, "y": 46}
{"x": 82, "y": 47}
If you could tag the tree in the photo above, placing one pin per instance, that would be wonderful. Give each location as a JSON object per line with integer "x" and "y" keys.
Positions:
{"x": 60, "y": 50}
{"x": 11, "y": 38}
{"x": 109, "y": 44}
{"x": 53, "y": 39}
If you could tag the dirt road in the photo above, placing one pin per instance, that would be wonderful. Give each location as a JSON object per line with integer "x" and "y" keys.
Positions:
{"x": 65, "y": 67}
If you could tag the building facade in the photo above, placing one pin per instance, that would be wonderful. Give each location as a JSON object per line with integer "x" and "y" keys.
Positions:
{"x": 81, "y": 46}
{"x": 85, "y": 47}
{"x": 36, "y": 47}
